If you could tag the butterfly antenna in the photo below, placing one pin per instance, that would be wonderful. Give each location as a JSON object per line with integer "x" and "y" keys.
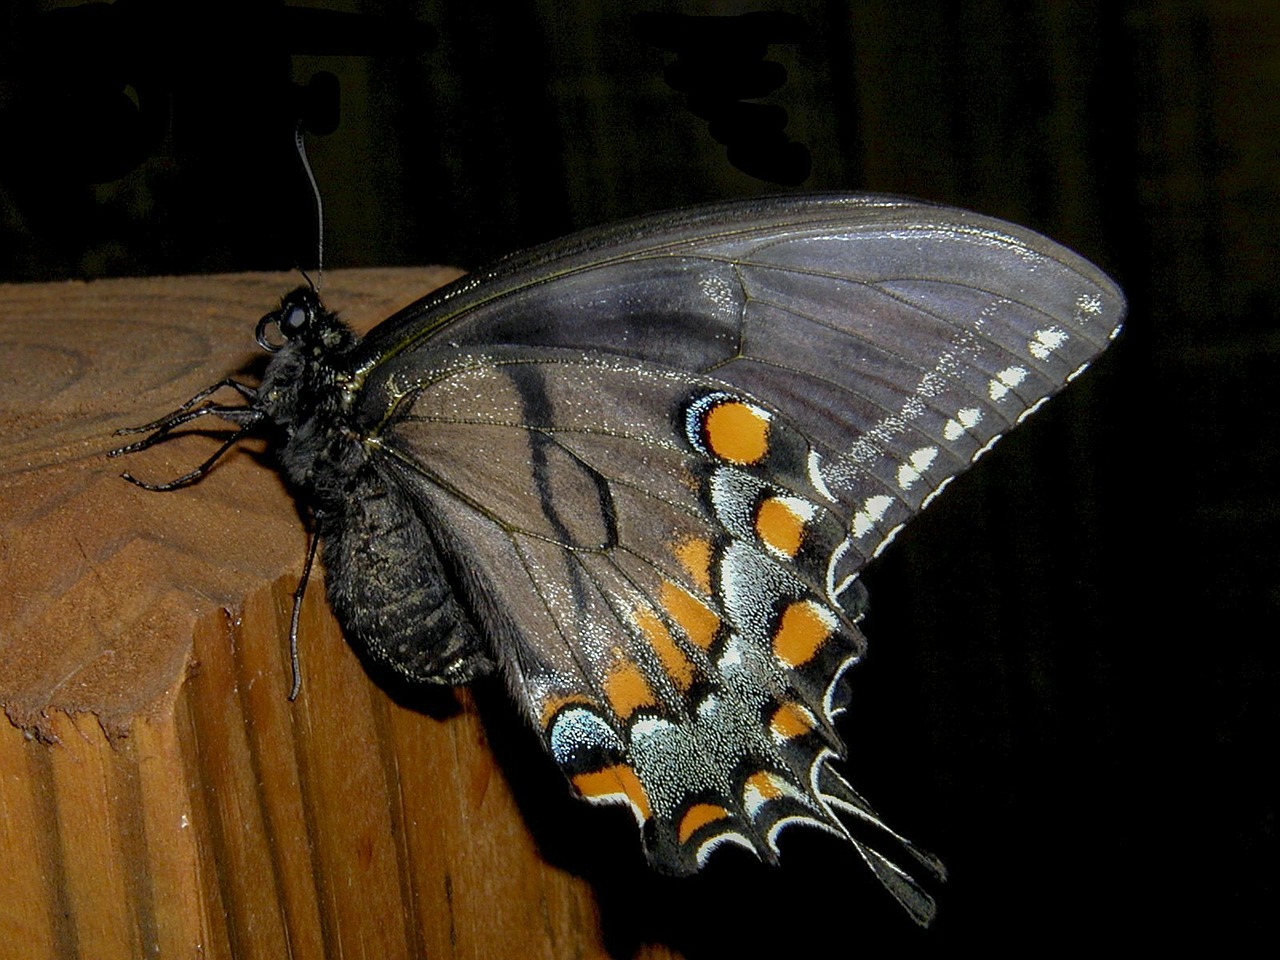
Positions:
{"x": 298, "y": 594}
{"x": 315, "y": 192}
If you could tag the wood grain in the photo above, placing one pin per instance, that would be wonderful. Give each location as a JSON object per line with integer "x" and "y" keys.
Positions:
{"x": 159, "y": 795}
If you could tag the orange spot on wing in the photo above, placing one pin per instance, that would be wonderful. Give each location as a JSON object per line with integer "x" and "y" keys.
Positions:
{"x": 697, "y": 817}
{"x": 618, "y": 780}
{"x": 677, "y": 665}
{"x": 763, "y": 784}
{"x": 791, "y": 720}
{"x": 627, "y": 690}
{"x": 737, "y": 432}
{"x": 694, "y": 554}
{"x": 699, "y": 623}
{"x": 779, "y": 526}
{"x": 802, "y": 630}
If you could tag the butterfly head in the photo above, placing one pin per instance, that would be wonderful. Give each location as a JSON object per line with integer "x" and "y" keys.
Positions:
{"x": 301, "y": 318}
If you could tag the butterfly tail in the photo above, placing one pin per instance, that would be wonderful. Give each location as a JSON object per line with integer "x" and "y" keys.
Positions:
{"x": 843, "y": 799}
{"x": 901, "y": 885}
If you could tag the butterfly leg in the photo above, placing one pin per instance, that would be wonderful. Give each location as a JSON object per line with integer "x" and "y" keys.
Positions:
{"x": 184, "y": 413}
{"x": 245, "y": 417}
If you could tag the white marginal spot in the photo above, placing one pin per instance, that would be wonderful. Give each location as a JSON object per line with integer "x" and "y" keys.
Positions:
{"x": 1031, "y": 409}
{"x": 1004, "y": 381}
{"x": 833, "y": 591}
{"x": 1083, "y": 367}
{"x": 820, "y": 763}
{"x": 873, "y": 510}
{"x": 888, "y": 539}
{"x": 808, "y": 821}
{"x": 828, "y": 707}
{"x": 937, "y": 490}
{"x": 815, "y": 477}
{"x": 965, "y": 420}
{"x": 737, "y": 839}
{"x": 989, "y": 444}
{"x": 1046, "y": 341}
{"x": 917, "y": 463}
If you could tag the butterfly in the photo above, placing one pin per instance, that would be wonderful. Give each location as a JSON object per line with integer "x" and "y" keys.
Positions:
{"x": 637, "y": 473}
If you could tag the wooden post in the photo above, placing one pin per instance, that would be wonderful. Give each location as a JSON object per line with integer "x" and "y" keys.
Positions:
{"x": 159, "y": 795}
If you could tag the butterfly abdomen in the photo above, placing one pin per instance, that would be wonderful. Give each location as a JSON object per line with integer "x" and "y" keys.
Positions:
{"x": 389, "y": 590}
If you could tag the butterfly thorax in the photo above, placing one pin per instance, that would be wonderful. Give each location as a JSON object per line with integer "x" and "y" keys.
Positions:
{"x": 302, "y": 397}
{"x": 384, "y": 577}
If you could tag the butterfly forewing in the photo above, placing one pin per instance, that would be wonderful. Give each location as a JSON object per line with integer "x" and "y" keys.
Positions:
{"x": 900, "y": 339}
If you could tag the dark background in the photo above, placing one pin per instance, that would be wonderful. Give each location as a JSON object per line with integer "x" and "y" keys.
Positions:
{"x": 1071, "y": 693}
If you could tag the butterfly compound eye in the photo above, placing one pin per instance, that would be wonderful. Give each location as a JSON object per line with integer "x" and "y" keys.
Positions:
{"x": 296, "y": 312}
{"x": 294, "y": 317}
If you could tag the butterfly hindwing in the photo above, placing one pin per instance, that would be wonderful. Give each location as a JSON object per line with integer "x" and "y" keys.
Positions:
{"x": 696, "y": 657}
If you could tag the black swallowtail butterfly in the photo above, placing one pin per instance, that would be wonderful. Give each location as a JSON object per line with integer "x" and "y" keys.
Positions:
{"x": 638, "y": 472}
